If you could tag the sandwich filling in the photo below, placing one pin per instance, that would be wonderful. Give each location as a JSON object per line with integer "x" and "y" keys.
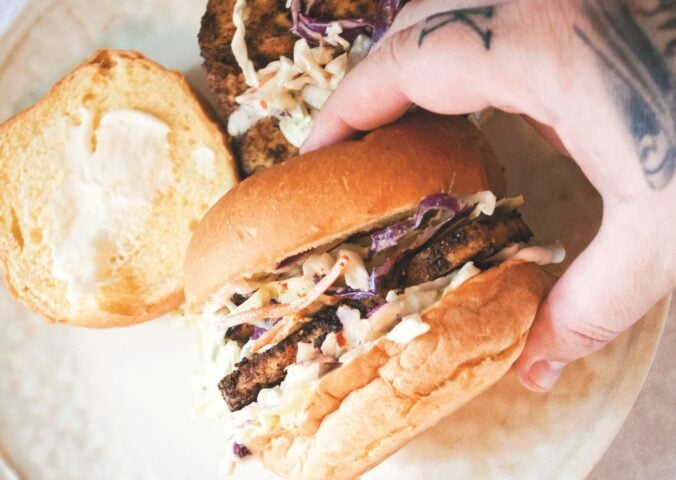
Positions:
{"x": 292, "y": 90}
{"x": 275, "y": 336}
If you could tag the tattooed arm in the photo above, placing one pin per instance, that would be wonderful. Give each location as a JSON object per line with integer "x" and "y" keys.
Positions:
{"x": 596, "y": 77}
{"x": 636, "y": 45}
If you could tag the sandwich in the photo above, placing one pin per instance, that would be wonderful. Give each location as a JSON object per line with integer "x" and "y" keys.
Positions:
{"x": 354, "y": 296}
{"x": 272, "y": 64}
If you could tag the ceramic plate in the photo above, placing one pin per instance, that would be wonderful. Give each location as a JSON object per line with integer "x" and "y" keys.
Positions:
{"x": 117, "y": 404}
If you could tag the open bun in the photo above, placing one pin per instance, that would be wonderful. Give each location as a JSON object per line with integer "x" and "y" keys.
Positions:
{"x": 330, "y": 194}
{"x": 364, "y": 411}
{"x": 146, "y": 279}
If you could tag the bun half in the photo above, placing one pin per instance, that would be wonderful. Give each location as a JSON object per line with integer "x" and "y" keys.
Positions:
{"x": 364, "y": 411}
{"x": 329, "y": 194}
{"x": 144, "y": 279}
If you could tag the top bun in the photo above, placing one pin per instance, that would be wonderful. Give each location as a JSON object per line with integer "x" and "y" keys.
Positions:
{"x": 328, "y": 195}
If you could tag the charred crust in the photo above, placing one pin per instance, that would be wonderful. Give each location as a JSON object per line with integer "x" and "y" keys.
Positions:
{"x": 476, "y": 240}
{"x": 240, "y": 333}
{"x": 278, "y": 153}
{"x": 262, "y": 146}
{"x": 103, "y": 59}
{"x": 238, "y": 298}
{"x": 268, "y": 369}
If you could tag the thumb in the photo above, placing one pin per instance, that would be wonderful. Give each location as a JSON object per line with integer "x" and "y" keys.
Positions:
{"x": 606, "y": 289}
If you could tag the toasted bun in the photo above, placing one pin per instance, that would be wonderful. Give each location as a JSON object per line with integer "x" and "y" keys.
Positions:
{"x": 146, "y": 280}
{"x": 329, "y": 194}
{"x": 364, "y": 411}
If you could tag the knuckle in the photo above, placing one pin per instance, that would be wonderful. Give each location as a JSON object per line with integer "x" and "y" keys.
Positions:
{"x": 586, "y": 337}
{"x": 394, "y": 48}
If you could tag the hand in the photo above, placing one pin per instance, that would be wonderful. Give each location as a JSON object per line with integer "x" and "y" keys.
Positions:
{"x": 596, "y": 77}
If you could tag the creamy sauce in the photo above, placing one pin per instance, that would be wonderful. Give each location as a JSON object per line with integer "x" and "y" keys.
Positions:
{"x": 333, "y": 36}
{"x": 238, "y": 44}
{"x": 542, "y": 255}
{"x": 110, "y": 175}
{"x": 408, "y": 329}
{"x": 242, "y": 119}
{"x": 204, "y": 160}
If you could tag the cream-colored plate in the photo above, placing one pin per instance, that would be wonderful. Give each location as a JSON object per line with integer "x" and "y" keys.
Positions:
{"x": 86, "y": 404}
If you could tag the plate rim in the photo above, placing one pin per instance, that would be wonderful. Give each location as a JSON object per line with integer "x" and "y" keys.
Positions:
{"x": 634, "y": 386}
{"x": 648, "y": 341}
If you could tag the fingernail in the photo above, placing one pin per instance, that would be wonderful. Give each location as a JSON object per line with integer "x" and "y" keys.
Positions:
{"x": 544, "y": 374}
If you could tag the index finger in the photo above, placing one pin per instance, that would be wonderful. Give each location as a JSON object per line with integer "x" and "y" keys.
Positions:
{"x": 374, "y": 82}
{"x": 367, "y": 98}
{"x": 440, "y": 63}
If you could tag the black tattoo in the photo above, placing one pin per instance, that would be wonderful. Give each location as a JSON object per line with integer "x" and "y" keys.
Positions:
{"x": 637, "y": 48}
{"x": 471, "y": 17}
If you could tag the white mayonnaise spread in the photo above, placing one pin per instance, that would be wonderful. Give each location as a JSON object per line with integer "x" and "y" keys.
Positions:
{"x": 306, "y": 351}
{"x": 466, "y": 272}
{"x": 245, "y": 117}
{"x": 110, "y": 174}
{"x": 485, "y": 203}
{"x": 355, "y": 274}
{"x": 333, "y": 36}
{"x": 542, "y": 255}
{"x": 331, "y": 346}
{"x": 318, "y": 265}
{"x": 355, "y": 328}
{"x": 239, "y": 16}
{"x": 204, "y": 160}
{"x": 409, "y": 328}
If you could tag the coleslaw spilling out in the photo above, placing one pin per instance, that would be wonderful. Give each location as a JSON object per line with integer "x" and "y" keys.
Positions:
{"x": 339, "y": 279}
{"x": 292, "y": 90}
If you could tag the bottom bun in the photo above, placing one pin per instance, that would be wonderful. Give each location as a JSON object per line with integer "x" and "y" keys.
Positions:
{"x": 364, "y": 411}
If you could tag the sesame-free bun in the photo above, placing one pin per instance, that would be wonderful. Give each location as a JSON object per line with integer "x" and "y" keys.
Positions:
{"x": 362, "y": 412}
{"x": 146, "y": 279}
{"x": 329, "y": 194}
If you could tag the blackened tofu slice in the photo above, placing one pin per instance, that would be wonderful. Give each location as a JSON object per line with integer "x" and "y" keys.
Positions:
{"x": 476, "y": 240}
{"x": 268, "y": 369}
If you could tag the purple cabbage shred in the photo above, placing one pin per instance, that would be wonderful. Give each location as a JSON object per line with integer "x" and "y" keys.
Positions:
{"x": 307, "y": 26}
{"x": 390, "y": 235}
{"x": 440, "y": 201}
{"x": 258, "y": 331}
{"x": 314, "y": 30}
{"x": 240, "y": 450}
{"x": 354, "y": 294}
{"x": 379, "y": 273}
{"x": 385, "y": 15}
